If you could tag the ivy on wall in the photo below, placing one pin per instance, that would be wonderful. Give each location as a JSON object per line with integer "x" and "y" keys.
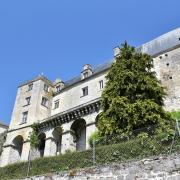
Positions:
{"x": 34, "y": 139}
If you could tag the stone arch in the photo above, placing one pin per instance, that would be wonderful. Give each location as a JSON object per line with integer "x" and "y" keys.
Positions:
{"x": 17, "y": 148}
{"x": 78, "y": 129}
{"x": 57, "y": 137}
{"x": 42, "y": 142}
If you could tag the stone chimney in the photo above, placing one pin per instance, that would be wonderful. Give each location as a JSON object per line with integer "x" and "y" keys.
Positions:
{"x": 117, "y": 51}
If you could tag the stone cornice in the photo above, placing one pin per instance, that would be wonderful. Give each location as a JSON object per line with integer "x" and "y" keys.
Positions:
{"x": 89, "y": 124}
{"x": 165, "y": 51}
{"x": 8, "y": 145}
{"x": 4, "y": 126}
{"x": 67, "y": 116}
{"x": 49, "y": 138}
{"x": 26, "y": 141}
{"x": 70, "y": 115}
{"x": 11, "y": 130}
{"x": 40, "y": 77}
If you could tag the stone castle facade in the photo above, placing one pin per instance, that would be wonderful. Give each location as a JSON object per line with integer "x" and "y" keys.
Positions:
{"x": 67, "y": 111}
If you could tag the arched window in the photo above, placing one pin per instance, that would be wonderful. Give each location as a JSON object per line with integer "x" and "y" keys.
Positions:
{"x": 78, "y": 129}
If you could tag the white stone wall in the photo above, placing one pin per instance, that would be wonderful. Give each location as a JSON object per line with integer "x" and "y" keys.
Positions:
{"x": 9, "y": 154}
{"x": 72, "y": 96}
{"x": 36, "y": 111}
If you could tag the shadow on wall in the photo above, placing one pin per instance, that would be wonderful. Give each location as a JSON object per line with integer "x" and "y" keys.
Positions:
{"x": 78, "y": 129}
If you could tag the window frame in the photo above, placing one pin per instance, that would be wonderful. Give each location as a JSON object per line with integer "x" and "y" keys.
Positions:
{"x": 24, "y": 117}
{"x": 101, "y": 84}
{"x": 30, "y": 87}
{"x": 45, "y": 103}
{"x": 85, "y": 91}
{"x": 28, "y": 101}
{"x": 58, "y": 88}
{"x": 46, "y": 87}
{"x": 56, "y": 104}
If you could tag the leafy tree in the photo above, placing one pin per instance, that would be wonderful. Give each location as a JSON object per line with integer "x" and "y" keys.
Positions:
{"x": 133, "y": 96}
{"x": 34, "y": 139}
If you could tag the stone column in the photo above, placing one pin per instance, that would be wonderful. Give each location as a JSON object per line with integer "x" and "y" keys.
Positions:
{"x": 5, "y": 155}
{"x": 25, "y": 151}
{"x": 67, "y": 142}
{"x": 50, "y": 147}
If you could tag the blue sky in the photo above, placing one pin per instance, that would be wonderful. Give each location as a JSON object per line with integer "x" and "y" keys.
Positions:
{"x": 57, "y": 37}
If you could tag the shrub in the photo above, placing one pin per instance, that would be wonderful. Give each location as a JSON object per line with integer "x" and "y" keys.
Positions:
{"x": 94, "y": 137}
{"x": 132, "y": 149}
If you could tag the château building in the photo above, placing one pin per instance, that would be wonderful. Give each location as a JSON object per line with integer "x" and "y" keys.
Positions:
{"x": 67, "y": 111}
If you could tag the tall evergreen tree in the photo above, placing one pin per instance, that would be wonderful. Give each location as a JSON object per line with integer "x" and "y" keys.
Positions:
{"x": 133, "y": 96}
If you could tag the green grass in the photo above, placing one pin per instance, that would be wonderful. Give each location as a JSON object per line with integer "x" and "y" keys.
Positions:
{"x": 125, "y": 151}
{"x": 175, "y": 115}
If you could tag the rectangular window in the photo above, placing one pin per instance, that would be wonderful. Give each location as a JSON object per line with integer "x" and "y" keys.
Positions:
{"x": 30, "y": 87}
{"x": 101, "y": 84}
{"x": 44, "y": 102}
{"x": 56, "y": 104}
{"x": 46, "y": 88}
{"x": 24, "y": 117}
{"x": 28, "y": 100}
{"x": 85, "y": 91}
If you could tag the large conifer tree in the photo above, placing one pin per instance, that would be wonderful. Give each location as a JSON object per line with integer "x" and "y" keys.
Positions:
{"x": 133, "y": 96}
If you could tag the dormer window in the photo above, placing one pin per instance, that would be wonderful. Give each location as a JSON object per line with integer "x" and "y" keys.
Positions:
{"x": 85, "y": 75}
{"x": 87, "y": 71}
{"x": 59, "y": 85}
{"x": 58, "y": 88}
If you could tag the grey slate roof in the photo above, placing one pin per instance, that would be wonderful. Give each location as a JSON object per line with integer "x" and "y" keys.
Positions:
{"x": 162, "y": 43}
{"x": 40, "y": 77}
{"x": 159, "y": 45}
{"x": 98, "y": 69}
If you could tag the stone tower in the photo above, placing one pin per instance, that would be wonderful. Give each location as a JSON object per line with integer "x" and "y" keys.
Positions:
{"x": 33, "y": 104}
